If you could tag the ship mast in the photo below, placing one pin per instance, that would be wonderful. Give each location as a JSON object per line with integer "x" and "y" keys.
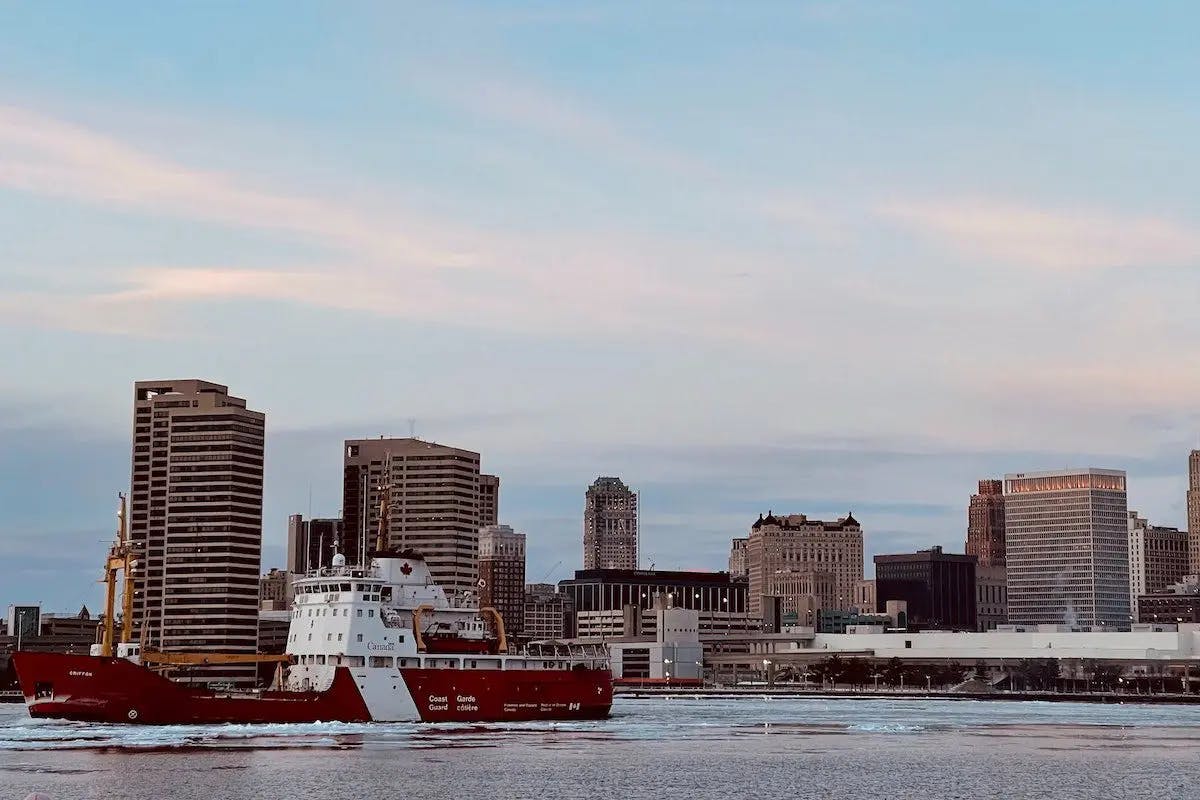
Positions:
{"x": 385, "y": 503}
{"x": 120, "y": 559}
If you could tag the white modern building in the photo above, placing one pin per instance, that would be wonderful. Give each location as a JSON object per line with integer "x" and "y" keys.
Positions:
{"x": 674, "y": 655}
{"x": 1067, "y": 548}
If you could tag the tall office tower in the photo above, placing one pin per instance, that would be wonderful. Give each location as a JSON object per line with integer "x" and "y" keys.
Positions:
{"x": 1158, "y": 558}
{"x": 196, "y": 519}
{"x": 938, "y": 587}
{"x": 738, "y": 567}
{"x": 433, "y": 506}
{"x": 312, "y": 543}
{"x": 985, "y": 524}
{"x": 502, "y": 574}
{"x": 610, "y": 526}
{"x": 1067, "y": 542}
{"x": 795, "y": 542}
{"x": 489, "y": 500}
{"x": 1193, "y": 513}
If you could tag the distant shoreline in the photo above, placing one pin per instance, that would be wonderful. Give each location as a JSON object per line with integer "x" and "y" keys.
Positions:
{"x": 642, "y": 693}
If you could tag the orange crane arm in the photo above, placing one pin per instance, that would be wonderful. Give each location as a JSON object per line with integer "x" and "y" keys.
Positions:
{"x": 212, "y": 658}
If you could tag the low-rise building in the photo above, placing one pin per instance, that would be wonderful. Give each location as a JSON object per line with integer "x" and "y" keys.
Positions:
{"x": 673, "y": 656}
{"x": 1179, "y": 602}
{"x": 273, "y": 590}
{"x": 615, "y": 602}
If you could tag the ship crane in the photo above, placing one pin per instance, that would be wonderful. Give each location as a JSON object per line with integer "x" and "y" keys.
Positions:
{"x": 120, "y": 559}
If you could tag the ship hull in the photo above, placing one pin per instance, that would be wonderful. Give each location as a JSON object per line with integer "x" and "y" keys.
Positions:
{"x": 113, "y": 690}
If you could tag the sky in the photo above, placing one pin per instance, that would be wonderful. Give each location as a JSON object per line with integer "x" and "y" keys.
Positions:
{"x": 808, "y": 257}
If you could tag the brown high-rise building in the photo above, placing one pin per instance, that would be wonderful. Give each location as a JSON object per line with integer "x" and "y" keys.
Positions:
{"x": 799, "y": 544}
{"x": 502, "y": 574}
{"x": 196, "y": 519}
{"x": 434, "y": 504}
{"x": 610, "y": 525}
{"x": 985, "y": 524}
{"x": 1193, "y": 513}
{"x": 489, "y": 500}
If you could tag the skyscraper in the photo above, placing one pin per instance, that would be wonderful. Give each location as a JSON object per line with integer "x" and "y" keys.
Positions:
{"x": 1158, "y": 558}
{"x": 985, "y": 524}
{"x": 610, "y": 525}
{"x": 433, "y": 506}
{"x": 1193, "y": 513}
{"x": 311, "y": 543}
{"x": 1067, "y": 541}
{"x": 502, "y": 574}
{"x": 489, "y": 500}
{"x": 196, "y": 519}
{"x": 795, "y": 543}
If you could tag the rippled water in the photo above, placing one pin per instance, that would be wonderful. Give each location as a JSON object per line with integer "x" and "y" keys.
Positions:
{"x": 706, "y": 747}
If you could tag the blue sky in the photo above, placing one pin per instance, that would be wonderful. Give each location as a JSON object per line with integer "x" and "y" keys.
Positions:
{"x": 808, "y": 257}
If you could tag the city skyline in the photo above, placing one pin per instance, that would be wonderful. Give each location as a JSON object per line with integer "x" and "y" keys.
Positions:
{"x": 557, "y": 237}
{"x": 553, "y": 554}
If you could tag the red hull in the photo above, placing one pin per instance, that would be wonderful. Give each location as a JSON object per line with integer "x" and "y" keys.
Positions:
{"x": 98, "y": 689}
{"x": 457, "y": 695}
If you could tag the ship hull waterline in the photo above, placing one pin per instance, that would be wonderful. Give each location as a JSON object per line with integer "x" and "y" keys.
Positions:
{"x": 115, "y": 690}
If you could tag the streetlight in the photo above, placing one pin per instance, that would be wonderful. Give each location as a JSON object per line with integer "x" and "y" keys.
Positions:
{"x": 876, "y": 677}
{"x": 928, "y": 683}
{"x": 767, "y": 672}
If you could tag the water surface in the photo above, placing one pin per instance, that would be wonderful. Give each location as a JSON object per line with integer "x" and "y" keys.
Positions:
{"x": 680, "y": 747}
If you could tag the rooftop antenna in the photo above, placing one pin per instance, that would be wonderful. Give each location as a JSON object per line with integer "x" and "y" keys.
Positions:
{"x": 412, "y": 427}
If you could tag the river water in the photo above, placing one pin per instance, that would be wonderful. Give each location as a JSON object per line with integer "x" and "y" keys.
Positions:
{"x": 663, "y": 747}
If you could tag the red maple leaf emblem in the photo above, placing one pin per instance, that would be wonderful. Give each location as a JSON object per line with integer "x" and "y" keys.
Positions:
{"x": 405, "y": 568}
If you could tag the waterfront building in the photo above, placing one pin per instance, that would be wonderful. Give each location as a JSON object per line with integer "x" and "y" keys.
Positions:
{"x": 991, "y": 597}
{"x": 1158, "y": 557}
{"x": 938, "y": 588}
{"x": 613, "y": 602}
{"x": 985, "y": 524}
{"x": 610, "y": 525}
{"x": 864, "y": 596}
{"x": 502, "y": 575}
{"x": 273, "y": 591}
{"x": 1067, "y": 547}
{"x": 433, "y": 504}
{"x": 738, "y": 565}
{"x": 548, "y": 614}
{"x": 312, "y": 543}
{"x": 489, "y": 500}
{"x": 195, "y": 515}
{"x": 1193, "y": 513}
{"x": 795, "y": 542}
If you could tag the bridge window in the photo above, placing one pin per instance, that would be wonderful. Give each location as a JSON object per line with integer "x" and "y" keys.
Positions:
{"x": 380, "y": 661}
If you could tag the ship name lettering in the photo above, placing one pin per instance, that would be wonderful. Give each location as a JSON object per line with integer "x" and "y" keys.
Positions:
{"x": 389, "y": 646}
{"x": 77, "y": 673}
{"x": 466, "y": 698}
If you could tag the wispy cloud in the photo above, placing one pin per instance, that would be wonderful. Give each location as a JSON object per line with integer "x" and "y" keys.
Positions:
{"x": 451, "y": 271}
{"x": 1032, "y": 236}
{"x": 48, "y": 156}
